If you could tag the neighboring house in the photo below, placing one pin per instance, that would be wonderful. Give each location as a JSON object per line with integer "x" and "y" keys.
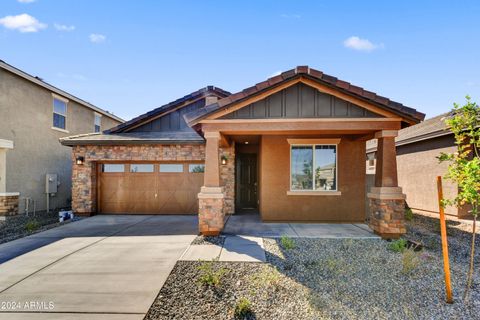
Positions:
{"x": 33, "y": 116}
{"x": 291, "y": 148}
{"x": 418, "y": 147}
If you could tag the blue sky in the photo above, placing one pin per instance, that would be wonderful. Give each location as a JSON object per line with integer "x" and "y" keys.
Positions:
{"x": 131, "y": 56}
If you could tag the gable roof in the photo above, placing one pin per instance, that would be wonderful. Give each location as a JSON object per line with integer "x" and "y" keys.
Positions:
{"x": 158, "y": 112}
{"x": 428, "y": 129}
{"x": 411, "y": 114}
{"x": 40, "y": 82}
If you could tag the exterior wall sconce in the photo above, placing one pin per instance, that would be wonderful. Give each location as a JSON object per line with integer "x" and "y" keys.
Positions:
{"x": 224, "y": 160}
{"x": 80, "y": 160}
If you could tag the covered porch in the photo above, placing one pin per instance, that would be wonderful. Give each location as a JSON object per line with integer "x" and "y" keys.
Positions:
{"x": 275, "y": 189}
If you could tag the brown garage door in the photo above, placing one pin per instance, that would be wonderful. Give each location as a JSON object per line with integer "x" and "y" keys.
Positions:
{"x": 153, "y": 188}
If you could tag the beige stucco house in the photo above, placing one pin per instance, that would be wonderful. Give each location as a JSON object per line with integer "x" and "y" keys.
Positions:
{"x": 33, "y": 116}
{"x": 290, "y": 148}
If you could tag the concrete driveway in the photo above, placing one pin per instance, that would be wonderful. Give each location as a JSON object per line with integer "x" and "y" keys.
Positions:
{"x": 104, "y": 267}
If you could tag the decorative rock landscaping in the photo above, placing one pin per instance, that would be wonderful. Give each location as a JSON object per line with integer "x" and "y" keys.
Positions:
{"x": 326, "y": 279}
{"x": 22, "y": 225}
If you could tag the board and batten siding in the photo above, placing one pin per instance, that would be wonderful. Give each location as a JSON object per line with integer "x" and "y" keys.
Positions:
{"x": 171, "y": 122}
{"x": 300, "y": 101}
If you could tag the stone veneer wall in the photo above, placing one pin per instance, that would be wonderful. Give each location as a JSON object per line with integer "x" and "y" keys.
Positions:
{"x": 227, "y": 177}
{"x": 386, "y": 217}
{"x": 84, "y": 184}
{"x": 8, "y": 205}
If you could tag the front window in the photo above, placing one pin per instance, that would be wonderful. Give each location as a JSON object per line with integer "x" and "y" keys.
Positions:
{"x": 98, "y": 122}
{"x": 59, "y": 114}
{"x": 313, "y": 168}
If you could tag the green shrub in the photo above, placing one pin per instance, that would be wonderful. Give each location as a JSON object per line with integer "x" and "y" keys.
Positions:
{"x": 287, "y": 243}
{"x": 243, "y": 309}
{"x": 32, "y": 225}
{"x": 398, "y": 245}
{"x": 408, "y": 214}
{"x": 410, "y": 261}
{"x": 211, "y": 276}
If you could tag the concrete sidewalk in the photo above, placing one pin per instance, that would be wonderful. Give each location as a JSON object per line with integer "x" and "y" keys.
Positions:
{"x": 104, "y": 267}
{"x": 234, "y": 249}
{"x": 251, "y": 225}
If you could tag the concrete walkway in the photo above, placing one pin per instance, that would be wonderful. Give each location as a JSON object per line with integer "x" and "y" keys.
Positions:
{"x": 244, "y": 237}
{"x": 104, "y": 267}
{"x": 251, "y": 225}
{"x": 235, "y": 248}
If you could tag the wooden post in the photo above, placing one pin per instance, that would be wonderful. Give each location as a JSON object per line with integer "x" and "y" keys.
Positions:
{"x": 443, "y": 231}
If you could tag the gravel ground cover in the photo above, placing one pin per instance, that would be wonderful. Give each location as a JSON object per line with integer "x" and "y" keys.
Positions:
{"x": 327, "y": 279}
{"x": 21, "y": 226}
{"x": 218, "y": 240}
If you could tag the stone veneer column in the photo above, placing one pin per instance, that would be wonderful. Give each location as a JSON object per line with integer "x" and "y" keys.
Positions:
{"x": 211, "y": 199}
{"x": 386, "y": 200}
{"x": 8, "y": 200}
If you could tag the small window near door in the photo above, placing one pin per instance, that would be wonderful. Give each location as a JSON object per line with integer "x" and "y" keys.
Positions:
{"x": 141, "y": 168}
{"x": 171, "y": 167}
{"x": 98, "y": 122}
{"x": 196, "y": 168}
{"x": 113, "y": 168}
{"x": 59, "y": 114}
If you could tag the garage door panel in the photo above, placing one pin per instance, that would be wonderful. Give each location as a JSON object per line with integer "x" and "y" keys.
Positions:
{"x": 150, "y": 192}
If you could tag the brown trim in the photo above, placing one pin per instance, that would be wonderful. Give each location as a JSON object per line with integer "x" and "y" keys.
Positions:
{"x": 301, "y": 126}
{"x": 314, "y": 141}
{"x": 233, "y": 121}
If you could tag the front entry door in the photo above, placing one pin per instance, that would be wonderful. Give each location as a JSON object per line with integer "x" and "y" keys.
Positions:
{"x": 246, "y": 181}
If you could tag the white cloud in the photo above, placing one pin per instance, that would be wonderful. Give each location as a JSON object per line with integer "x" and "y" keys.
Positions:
{"x": 360, "y": 44}
{"x": 97, "y": 38}
{"x": 63, "y": 27}
{"x": 23, "y": 23}
{"x": 290, "y": 16}
{"x": 26, "y": 1}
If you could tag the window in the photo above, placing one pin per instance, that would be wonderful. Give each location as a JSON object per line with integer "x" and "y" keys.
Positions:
{"x": 98, "y": 122}
{"x": 196, "y": 168}
{"x": 313, "y": 168}
{"x": 59, "y": 113}
{"x": 171, "y": 168}
{"x": 141, "y": 168}
{"x": 113, "y": 168}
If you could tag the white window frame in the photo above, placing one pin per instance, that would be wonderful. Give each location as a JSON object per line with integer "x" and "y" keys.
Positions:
{"x": 313, "y": 143}
{"x": 55, "y": 96}
{"x": 96, "y": 116}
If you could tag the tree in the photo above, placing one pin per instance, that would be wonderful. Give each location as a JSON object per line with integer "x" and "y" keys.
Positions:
{"x": 464, "y": 167}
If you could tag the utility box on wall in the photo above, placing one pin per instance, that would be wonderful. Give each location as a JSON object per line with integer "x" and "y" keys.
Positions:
{"x": 51, "y": 183}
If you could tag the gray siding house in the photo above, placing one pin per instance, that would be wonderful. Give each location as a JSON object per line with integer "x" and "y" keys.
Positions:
{"x": 33, "y": 116}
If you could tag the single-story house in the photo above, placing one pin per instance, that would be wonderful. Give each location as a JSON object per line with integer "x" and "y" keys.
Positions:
{"x": 418, "y": 147}
{"x": 291, "y": 147}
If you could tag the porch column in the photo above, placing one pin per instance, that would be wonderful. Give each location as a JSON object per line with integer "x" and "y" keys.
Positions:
{"x": 386, "y": 200}
{"x": 8, "y": 200}
{"x": 211, "y": 199}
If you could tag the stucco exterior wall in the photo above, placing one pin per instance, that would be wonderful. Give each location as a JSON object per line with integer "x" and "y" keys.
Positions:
{"x": 276, "y": 205}
{"x": 26, "y": 119}
{"x": 418, "y": 169}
